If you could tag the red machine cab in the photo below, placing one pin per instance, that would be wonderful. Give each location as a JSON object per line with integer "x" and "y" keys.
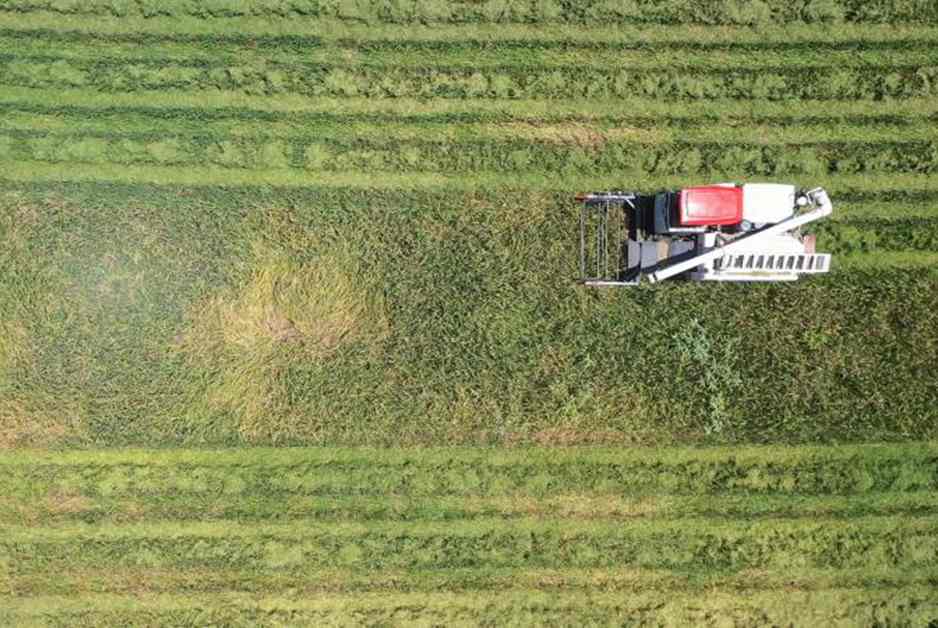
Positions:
{"x": 710, "y": 205}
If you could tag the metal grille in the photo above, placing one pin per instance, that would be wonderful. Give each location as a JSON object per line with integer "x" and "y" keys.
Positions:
{"x": 603, "y": 227}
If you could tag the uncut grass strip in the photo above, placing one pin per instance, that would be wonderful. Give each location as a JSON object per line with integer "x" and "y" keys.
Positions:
{"x": 430, "y": 198}
{"x": 465, "y": 54}
{"x": 219, "y": 198}
{"x": 66, "y": 171}
{"x": 52, "y": 506}
{"x": 925, "y": 261}
{"x": 534, "y": 109}
{"x": 332, "y": 29}
{"x": 122, "y": 581}
{"x": 522, "y": 608}
{"x": 863, "y": 209}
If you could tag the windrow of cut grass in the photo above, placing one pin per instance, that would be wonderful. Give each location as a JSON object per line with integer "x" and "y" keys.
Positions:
{"x": 212, "y": 104}
{"x": 572, "y": 151}
{"x": 839, "y": 607}
{"x": 494, "y": 11}
{"x": 626, "y": 582}
{"x": 31, "y": 119}
{"x": 372, "y": 51}
{"x": 431, "y": 530}
{"x": 453, "y": 485}
{"x": 456, "y": 337}
{"x": 685, "y": 544}
{"x": 850, "y": 188}
{"x": 70, "y": 505}
{"x": 855, "y": 470}
{"x": 313, "y": 29}
{"x": 505, "y": 82}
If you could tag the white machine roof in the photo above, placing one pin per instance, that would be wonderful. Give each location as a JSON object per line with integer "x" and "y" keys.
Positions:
{"x": 768, "y": 202}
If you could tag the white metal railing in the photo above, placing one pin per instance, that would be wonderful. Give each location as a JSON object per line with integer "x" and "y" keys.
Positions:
{"x": 773, "y": 262}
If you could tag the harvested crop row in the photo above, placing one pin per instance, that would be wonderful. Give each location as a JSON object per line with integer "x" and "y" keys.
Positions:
{"x": 145, "y": 121}
{"x": 701, "y": 545}
{"x": 472, "y": 54}
{"x": 440, "y": 38}
{"x": 221, "y": 103}
{"x": 849, "y": 187}
{"x": 583, "y": 153}
{"x": 852, "y": 606}
{"x": 493, "y": 11}
{"x": 809, "y": 472}
{"x": 624, "y": 581}
{"x": 67, "y": 503}
{"x": 778, "y": 83}
{"x": 330, "y": 29}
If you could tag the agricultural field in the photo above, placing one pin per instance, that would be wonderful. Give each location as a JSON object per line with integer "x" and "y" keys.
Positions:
{"x": 751, "y": 536}
{"x": 289, "y": 332}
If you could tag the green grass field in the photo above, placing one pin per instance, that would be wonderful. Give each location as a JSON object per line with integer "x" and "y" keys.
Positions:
{"x": 806, "y": 535}
{"x": 289, "y": 333}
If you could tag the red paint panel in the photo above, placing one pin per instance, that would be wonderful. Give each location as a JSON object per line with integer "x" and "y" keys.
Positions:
{"x": 710, "y": 205}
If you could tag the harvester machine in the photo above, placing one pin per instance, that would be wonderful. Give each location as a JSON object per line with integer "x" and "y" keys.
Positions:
{"x": 721, "y": 232}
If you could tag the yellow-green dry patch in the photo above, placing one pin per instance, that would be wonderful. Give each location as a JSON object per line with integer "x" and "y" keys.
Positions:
{"x": 288, "y": 313}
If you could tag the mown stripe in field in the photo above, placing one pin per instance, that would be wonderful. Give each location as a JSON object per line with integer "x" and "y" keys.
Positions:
{"x": 389, "y": 39}
{"x": 578, "y": 108}
{"x": 489, "y": 59}
{"x": 915, "y": 605}
{"x": 365, "y": 128}
{"x": 499, "y": 457}
{"x": 459, "y": 472}
{"x": 141, "y": 579}
{"x": 686, "y": 543}
{"x": 618, "y": 152}
{"x": 68, "y": 502}
{"x": 446, "y": 82}
{"x": 534, "y": 55}
{"x": 332, "y": 29}
{"x": 892, "y": 187}
{"x": 494, "y": 11}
